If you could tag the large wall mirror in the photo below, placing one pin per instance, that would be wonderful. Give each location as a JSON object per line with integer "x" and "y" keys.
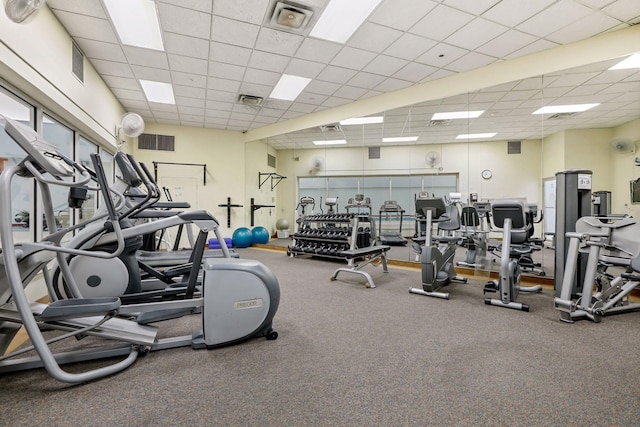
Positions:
{"x": 504, "y": 147}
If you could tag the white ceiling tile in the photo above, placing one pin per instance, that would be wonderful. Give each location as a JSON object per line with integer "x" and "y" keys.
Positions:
{"x": 184, "y": 21}
{"x": 188, "y": 64}
{"x": 554, "y": 18}
{"x": 87, "y": 27}
{"x": 301, "y": 107}
{"x": 189, "y": 92}
{"x": 470, "y": 61}
{"x": 614, "y": 76}
{"x": 83, "y": 7}
{"x": 385, "y": 65}
{"x": 261, "y": 76}
{"x": 335, "y": 102}
{"x": 225, "y": 85}
{"x": 624, "y": 10}
{"x": 154, "y": 74}
{"x": 536, "y": 46}
{"x": 226, "y": 53}
{"x": 189, "y": 79}
{"x": 268, "y": 61}
{"x": 135, "y": 95}
{"x": 506, "y": 43}
{"x": 409, "y": 46}
{"x": 218, "y": 114}
{"x": 373, "y": 37}
{"x": 110, "y": 68}
{"x": 476, "y": 7}
{"x": 336, "y": 74}
{"x": 393, "y": 13}
{"x": 366, "y": 80}
{"x": 414, "y": 72}
{"x": 320, "y": 87}
{"x": 303, "y": 68}
{"x": 116, "y": 82}
{"x": 574, "y": 79}
{"x": 217, "y": 105}
{"x": 476, "y": 33}
{"x": 318, "y": 50}
{"x": 222, "y": 96}
{"x": 352, "y": 58}
{"x": 255, "y": 89}
{"x": 233, "y": 32}
{"x": 441, "y": 55}
{"x": 252, "y": 11}
{"x": 589, "y": 89}
{"x": 513, "y": 12}
{"x": 440, "y": 23}
{"x": 350, "y": 92}
{"x": 392, "y": 84}
{"x": 519, "y": 95}
{"x": 146, "y": 57}
{"x": 583, "y": 28}
{"x": 307, "y": 97}
{"x": 279, "y": 42}
{"x": 186, "y": 46}
{"x": 100, "y": 50}
{"x": 200, "y": 5}
{"x": 186, "y": 109}
{"x": 226, "y": 71}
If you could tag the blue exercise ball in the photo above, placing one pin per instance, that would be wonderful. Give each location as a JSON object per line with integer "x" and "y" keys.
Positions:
{"x": 260, "y": 235}
{"x": 242, "y": 238}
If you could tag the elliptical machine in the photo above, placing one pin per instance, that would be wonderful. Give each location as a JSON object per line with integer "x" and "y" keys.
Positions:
{"x": 510, "y": 216}
{"x": 436, "y": 252}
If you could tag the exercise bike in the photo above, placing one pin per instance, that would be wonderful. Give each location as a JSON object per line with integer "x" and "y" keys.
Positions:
{"x": 510, "y": 216}
{"x": 436, "y": 252}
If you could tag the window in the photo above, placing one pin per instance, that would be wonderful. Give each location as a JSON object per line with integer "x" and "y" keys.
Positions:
{"x": 10, "y": 155}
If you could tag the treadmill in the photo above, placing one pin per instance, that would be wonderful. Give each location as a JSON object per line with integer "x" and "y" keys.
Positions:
{"x": 391, "y": 209}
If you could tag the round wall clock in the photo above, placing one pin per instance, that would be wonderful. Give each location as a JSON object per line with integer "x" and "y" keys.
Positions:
{"x": 486, "y": 174}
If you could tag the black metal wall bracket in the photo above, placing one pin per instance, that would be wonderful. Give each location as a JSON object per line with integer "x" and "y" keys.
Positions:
{"x": 274, "y": 178}
{"x": 228, "y": 205}
{"x": 255, "y": 207}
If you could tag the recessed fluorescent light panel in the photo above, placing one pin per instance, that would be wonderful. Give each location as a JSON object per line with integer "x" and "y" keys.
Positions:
{"x": 136, "y": 22}
{"x": 631, "y": 62}
{"x": 341, "y": 18}
{"x": 289, "y": 87}
{"x": 457, "y": 115}
{"x": 476, "y": 135}
{"x": 362, "y": 120}
{"x": 555, "y": 109}
{"x": 333, "y": 142}
{"x": 400, "y": 139}
{"x": 158, "y": 92}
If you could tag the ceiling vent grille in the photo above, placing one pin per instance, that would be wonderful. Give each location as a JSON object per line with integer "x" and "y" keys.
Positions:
{"x": 331, "y": 128}
{"x": 77, "y": 62}
{"x": 561, "y": 116}
{"x": 291, "y": 17}
{"x": 439, "y": 122}
{"x": 374, "y": 152}
{"x": 148, "y": 141}
{"x": 250, "y": 100}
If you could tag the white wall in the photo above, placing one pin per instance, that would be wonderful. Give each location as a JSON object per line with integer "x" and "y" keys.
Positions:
{"x": 35, "y": 57}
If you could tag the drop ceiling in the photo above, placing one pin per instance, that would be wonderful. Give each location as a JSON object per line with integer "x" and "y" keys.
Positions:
{"x": 216, "y": 51}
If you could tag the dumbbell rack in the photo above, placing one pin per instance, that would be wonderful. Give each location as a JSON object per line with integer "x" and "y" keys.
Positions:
{"x": 327, "y": 235}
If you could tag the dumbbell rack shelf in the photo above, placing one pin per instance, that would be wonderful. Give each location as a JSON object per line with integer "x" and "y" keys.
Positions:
{"x": 327, "y": 235}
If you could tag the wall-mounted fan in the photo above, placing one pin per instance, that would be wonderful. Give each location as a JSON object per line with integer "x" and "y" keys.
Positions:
{"x": 316, "y": 164}
{"x": 621, "y": 145}
{"x": 131, "y": 126}
{"x": 432, "y": 159}
{"x": 19, "y": 10}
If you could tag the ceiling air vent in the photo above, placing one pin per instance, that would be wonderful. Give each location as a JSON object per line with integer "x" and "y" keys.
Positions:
{"x": 439, "y": 122}
{"x": 290, "y": 16}
{"x": 331, "y": 128}
{"x": 560, "y": 116}
{"x": 514, "y": 147}
{"x": 374, "y": 152}
{"x": 250, "y": 100}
